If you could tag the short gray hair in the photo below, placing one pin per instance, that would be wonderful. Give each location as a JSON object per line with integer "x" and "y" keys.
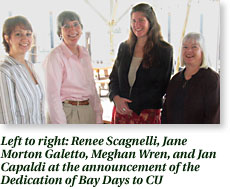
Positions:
{"x": 66, "y": 16}
{"x": 200, "y": 40}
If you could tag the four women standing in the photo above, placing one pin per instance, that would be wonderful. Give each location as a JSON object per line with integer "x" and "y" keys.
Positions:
{"x": 138, "y": 81}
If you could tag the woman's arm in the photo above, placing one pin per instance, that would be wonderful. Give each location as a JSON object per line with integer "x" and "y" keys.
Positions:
{"x": 94, "y": 99}
{"x": 7, "y": 100}
{"x": 212, "y": 100}
{"x": 53, "y": 74}
{"x": 114, "y": 80}
{"x": 167, "y": 58}
{"x": 114, "y": 86}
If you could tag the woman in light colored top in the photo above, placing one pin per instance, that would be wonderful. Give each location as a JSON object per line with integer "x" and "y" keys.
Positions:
{"x": 21, "y": 92}
{"x": 193, "y": 95}
{"x": 71, "y": 91}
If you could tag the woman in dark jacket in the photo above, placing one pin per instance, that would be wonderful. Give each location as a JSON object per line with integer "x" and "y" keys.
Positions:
{"x": 141, "y": 71}
{"x": 193, "y": 95}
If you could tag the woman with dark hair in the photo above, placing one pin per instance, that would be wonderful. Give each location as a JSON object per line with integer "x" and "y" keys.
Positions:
{"x": 141, "y": 71}
{"x": 193, "y": 95}
{"x": 72, "y": 96}
{"x": 21, "y": 92}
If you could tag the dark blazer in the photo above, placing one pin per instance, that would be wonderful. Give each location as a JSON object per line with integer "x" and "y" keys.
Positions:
{"x": 193, "y": 101}
{"x": 150, "y": 84}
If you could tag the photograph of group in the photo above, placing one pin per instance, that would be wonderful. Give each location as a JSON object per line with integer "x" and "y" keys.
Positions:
{"x": 110, "y": 62}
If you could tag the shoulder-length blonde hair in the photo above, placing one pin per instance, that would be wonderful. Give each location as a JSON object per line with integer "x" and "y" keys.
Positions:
{"x": 200, "y": 40}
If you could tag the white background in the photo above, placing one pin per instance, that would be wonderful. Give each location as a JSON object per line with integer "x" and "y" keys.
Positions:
{"x": 213, "y": 173}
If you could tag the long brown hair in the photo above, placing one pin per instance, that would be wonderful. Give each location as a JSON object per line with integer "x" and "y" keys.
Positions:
{"x": 154, "y": 35}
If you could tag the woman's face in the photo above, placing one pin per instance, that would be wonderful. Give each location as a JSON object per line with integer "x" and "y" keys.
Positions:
{"x": 192, "y": 53}
{"x": 19, "y": 41}
{"x": 71, "y": 32}
{"x": 139, "y": 24}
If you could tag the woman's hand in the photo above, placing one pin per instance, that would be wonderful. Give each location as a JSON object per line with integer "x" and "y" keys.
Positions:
{"x": 122, "y": 105}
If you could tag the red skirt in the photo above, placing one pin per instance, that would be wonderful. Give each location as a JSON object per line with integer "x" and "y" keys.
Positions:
{"x": 147, "y": 116}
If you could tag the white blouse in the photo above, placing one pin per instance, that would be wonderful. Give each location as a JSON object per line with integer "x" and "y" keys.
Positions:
{"x": 21, "y": 100}
{"x": 136, "y": 61}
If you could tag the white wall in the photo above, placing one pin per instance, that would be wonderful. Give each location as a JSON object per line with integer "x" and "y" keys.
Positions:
{"x": 38, "y": 13}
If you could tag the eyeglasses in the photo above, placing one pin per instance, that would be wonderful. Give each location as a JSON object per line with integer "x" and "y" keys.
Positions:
{"x": 68, "y": 26}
